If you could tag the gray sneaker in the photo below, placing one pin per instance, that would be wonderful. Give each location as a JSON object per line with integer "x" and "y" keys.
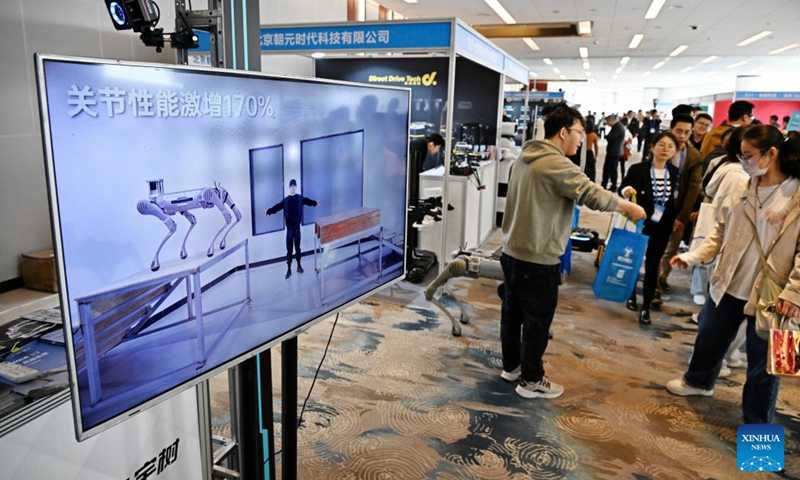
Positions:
{"x": 513, "y": 375}
{"x": 541, "y": 389}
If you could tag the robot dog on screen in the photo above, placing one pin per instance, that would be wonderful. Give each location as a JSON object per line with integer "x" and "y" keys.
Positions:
{"x": 163, "y": 205}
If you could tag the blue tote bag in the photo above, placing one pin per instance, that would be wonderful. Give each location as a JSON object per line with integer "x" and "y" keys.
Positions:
{"x": 622, "y": 259}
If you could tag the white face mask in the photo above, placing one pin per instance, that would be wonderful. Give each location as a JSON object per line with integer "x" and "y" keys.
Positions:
{"x": 751, "y": 167}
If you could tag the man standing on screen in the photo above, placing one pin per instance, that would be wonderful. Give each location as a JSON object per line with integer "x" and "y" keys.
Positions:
{"x": 292, "y": 207}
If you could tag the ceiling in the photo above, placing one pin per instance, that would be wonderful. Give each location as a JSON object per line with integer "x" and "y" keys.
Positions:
{"x": 707, "y": 27}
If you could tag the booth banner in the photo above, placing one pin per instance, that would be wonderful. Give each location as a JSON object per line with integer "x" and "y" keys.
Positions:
{"x": 357, "y": 36}
{"x": 427, "y": 78}
{"x": 477, "y": 48}
{"x": 515, "y": 70}
{"x": 159, "y": 444}
{"x": 511, "y": 96}
{"x": 790, "y": 96}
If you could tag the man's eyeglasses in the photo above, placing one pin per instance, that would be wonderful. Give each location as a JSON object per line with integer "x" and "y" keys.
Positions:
{"x": 581, "y": 132}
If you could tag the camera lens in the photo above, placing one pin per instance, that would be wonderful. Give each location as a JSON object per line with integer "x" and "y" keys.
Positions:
{"x": 117, "y": 13}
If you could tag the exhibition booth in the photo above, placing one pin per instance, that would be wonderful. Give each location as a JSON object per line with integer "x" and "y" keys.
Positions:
{"x": 446, "y": 64}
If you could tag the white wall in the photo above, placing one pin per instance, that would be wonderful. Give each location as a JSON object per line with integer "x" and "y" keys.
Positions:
{"x": 772, "y": 83}
{"x": 302, "y": 11}
{"x": 70, "y": 27}
{"x": 696, "y": 91}
{"x": 295, "y": 65}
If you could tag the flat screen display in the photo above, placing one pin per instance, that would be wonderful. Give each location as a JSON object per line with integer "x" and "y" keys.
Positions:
{"x": 180, "y": 203}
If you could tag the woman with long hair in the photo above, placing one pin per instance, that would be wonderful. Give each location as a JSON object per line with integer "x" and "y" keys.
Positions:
{"x": 765, "y": 210}
{"x": 654, "y": 184}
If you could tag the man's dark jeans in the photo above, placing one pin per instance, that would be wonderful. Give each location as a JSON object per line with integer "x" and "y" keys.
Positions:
{"x": 529, "y": 304}
{"x": 717, "y": 327}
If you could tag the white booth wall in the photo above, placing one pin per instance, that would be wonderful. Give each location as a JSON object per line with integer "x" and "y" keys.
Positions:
{"x": 46, "y": 447}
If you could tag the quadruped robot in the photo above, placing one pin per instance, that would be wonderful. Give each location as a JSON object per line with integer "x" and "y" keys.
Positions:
{"x": 163, "y": 205}
{"x": 472, "y": 264}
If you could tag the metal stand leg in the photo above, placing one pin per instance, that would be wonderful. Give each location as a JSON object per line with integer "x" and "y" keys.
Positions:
{"x": 198, "y": 308}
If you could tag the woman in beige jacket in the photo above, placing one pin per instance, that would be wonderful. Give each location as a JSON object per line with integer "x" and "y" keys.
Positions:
{"x": 770, "y": 202}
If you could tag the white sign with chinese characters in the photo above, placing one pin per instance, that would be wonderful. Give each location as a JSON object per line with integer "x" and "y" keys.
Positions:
{"x": 161, "y": 443}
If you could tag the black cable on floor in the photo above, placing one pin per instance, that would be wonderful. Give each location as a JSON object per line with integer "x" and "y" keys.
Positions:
{"x": 314, "y": 381}
{"x": 330, "y": 337}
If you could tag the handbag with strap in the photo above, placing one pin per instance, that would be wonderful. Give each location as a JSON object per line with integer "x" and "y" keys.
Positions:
{"x": 767, "y": 316}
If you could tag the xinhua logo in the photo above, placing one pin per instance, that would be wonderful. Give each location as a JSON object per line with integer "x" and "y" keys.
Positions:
{"x": 759, "y": 448}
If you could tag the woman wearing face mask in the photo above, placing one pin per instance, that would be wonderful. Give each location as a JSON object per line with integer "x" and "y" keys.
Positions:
{"x": 770, "y": 200}
{"x": 653, "y": 182}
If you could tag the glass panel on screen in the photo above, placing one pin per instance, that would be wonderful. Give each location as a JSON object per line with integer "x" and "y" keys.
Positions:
{"x": 333, "y": 173}
{"x": 266, "y": 178}
{"x": 175, "y": 217}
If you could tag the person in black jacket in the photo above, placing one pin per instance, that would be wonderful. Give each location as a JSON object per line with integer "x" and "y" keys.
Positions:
{"x": 615, "y": 138}
{"x": 428, "y": 149}
{"x": 654, "y": 183}
{"x": 292, "y": 207}
{"x": 649, "y": 128}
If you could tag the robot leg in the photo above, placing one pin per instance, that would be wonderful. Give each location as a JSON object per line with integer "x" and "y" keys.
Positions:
{"x": 147, "y": 208}
{"x": 192, "y": 222}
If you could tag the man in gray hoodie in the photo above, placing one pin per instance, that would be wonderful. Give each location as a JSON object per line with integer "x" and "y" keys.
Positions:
{"x": 543, "y": 187}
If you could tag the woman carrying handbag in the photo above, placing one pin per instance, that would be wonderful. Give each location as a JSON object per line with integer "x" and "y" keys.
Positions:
{"x": 654, "y": 184}
{"x": 763, "y": 215}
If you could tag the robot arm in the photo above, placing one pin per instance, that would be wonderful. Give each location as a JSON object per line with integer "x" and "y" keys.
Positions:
{"x": 146, "y": 207}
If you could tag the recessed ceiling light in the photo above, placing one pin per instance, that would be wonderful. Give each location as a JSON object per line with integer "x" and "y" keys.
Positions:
{"x": 754, "y": 38}
{"x": 655, "y": 7}
{"x": 737, "y": 64}
{"x": 588, "y": 74}
{"x": 687, "y": 69}
{"x": 530, "y": 43}
{"x": 411, "y": 1}
{"x": 615, "y": 77}
{"x": 556, "y": 70}
{"x": 636, "y": 40}
{"x": 562, "y": 77}
{"x": 586, "y": 66}
{"x": 647, "y": 73}
{"x": 678, "y": 50}
{"x": 659, "y": 65}
{"x": 547, "y": 61}
{"x": 618, "y": 70}
{"x": 318, "y": 54}
{"x": 533, "y": 74}
{"x": 624, "y": 60}
{"x": 783, "y": 49}
{"x": 584, "y": 27}
{"x": 500, "y": 11}
{"x": 709, "y": 59}
{"x": 584, "y": 52}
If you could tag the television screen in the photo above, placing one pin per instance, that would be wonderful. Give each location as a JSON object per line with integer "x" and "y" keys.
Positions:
{"x": 201, "y": 216}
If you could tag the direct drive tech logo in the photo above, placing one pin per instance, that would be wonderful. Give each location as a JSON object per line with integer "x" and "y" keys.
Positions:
{"x": 759, "y": 448}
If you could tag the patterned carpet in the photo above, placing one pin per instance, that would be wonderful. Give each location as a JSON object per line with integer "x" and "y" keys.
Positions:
{"x": 398, "y": 397}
